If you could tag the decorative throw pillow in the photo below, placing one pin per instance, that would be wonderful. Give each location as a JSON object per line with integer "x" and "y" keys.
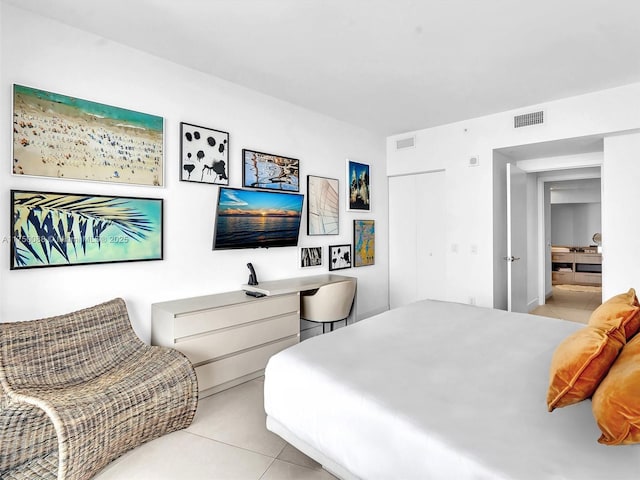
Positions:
{"x": 616, "y": 404}
{"x": 580, "y": 363}
{"x": 621, "y": 311}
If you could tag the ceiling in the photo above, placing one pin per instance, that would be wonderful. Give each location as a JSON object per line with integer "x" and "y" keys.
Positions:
{"x": 390, "y": 66}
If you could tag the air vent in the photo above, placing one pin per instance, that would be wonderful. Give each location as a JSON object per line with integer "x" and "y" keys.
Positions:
{"x": 528, "y": 119}
{"x": 405, "y": 143}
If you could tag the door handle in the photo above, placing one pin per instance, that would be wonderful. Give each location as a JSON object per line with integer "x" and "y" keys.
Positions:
{"x": 511, "y": 258}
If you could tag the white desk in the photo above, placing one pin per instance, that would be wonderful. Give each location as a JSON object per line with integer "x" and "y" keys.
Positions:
{"x": 296, "y": 284}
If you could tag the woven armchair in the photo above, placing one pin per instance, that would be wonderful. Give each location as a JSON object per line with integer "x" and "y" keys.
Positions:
{"x": 79, "y": 390}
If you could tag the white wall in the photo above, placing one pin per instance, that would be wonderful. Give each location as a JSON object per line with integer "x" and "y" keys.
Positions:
{"x": 574, "y": 224}
{"x": 41, "y": 53}
{"x": 470, "y": 190}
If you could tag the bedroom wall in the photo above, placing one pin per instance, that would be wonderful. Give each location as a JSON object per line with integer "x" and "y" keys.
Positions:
{"x": 470, "y": 190}
{"x": 44, "y": 54}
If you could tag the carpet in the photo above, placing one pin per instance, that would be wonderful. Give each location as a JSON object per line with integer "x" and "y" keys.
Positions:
{"x": 580, "y": 288}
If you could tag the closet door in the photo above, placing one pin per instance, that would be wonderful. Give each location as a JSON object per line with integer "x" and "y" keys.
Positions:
{"x": 417, "y": 238}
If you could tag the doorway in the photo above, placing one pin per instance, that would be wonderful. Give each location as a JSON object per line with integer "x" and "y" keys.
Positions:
{"x": 562, "y": 160}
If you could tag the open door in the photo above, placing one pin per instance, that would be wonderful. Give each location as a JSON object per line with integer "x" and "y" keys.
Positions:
{"x": 516, "y": 239}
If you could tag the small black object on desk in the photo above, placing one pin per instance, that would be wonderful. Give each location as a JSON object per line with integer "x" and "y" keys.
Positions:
{"x": 254, "y": 294}
{"x": 253, "y": 279}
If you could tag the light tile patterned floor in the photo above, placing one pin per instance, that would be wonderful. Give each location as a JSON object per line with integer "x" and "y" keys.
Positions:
{"x": 570, "y": 305}
{"x": 227, "y": 440}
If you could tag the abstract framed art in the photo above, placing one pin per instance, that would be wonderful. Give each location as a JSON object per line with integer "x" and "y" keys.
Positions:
{"x": 270, "y": 172}
{"x": 323, "y": 213}
{"x": 364, "y": 245}
{"x": 339, "y": 257}
{"x": 358, "y": 182}
{"x": 204, "y": 155}
{"x": 310, "y": 257}
{"x": 55, "y": 229}
{"x": 64, "y": 137}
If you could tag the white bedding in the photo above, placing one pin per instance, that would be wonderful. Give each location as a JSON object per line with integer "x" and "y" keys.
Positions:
{"x": 438, "y": 390}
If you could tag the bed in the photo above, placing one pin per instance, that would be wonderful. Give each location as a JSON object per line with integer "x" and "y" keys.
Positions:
{"x": 437, "y": 390}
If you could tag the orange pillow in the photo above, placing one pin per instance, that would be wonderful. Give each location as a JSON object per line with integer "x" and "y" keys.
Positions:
{"x": 616, "y": 402}
{"x": 621, "y": 311}
{"x": 580, "y": 363}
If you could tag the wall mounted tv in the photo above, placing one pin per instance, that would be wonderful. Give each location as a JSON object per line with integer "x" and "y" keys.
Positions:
{"x": 252, "y": 219}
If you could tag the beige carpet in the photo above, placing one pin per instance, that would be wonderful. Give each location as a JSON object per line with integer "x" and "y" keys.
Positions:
{"x": 580, "y": 288}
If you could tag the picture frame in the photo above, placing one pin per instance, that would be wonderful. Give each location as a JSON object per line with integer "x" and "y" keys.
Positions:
{"x": 270, "y": 172}
{"x": 323, "y": 206}
{"x": 310, "y": 257}
{"x": 64, "y": 137}
{"x": 339, "y": 257}
{"x": 204, "y": 154}
{"x": 58, "y": 229}
{"x": 358, "y": 186}
{"x": 364, "y": 246}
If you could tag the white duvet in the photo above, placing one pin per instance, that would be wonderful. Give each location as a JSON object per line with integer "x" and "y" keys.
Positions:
{"x": 438, "y": 390}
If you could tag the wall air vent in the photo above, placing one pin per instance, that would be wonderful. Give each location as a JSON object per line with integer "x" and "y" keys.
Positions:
{"x": 405, "y": 143}
{"x": 528, "y": 119}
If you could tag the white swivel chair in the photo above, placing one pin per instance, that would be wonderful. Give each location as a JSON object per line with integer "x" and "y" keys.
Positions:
{"x": 328, "y": 304}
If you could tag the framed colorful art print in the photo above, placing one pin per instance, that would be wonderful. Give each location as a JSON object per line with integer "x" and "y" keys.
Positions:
{"x": 270, "y": 172}
{"x": 64, "y": 137}
{"x": 56, "y": 229}
{"x": 358, "y": 186}
{"x": 364, "y": 245}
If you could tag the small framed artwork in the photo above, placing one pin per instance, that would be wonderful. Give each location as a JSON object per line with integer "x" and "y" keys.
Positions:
{"x": 339, "y": 257}
{"x": 364, "y": 245}
{"x": 271, "y": 172}
{"x": 358, "y": 186}
{"x": 204, "y": 155}
{"x": 310, "y": 257}
{"x": 64, "y": 137}
{"x": 323, "y": 214}
{"x": 56, "y": 229}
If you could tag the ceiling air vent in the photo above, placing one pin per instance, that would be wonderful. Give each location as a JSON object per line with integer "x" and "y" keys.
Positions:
{"x": 528, "y": 119}
{"x": 405, "y": 143}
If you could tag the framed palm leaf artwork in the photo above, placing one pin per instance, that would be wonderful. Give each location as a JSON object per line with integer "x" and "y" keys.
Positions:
{"x": 55, "y": 229}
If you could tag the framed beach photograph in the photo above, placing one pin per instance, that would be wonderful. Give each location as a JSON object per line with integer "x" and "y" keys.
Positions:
{"x": 64, "y": 137}
{"x": 310, "y": 257}
{"x": 270, "y": 172}
{"x": 323, "y": 213}
{"x": 358, "y": 182}
{"x": 204, "y": 155}
{"x": 364, "y": 245}
{"x": 56, "y": 229}
{"x": 339, "y": 257}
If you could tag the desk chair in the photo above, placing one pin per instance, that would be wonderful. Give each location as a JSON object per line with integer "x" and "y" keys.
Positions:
{"x": 328, "y": 304}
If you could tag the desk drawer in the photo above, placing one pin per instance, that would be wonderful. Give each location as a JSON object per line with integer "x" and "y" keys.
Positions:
{"x": 226, "y": 369}
{"x": 209, "y": 346}
{"x": 217, "y": 318}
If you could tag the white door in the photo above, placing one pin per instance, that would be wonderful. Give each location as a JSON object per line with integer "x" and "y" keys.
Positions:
{"x": 416, "y": 238}
{"x": 516, "y": 239}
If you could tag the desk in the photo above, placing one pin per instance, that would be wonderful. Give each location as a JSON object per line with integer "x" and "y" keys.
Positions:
{"x": 229, "y": 337}
{"x": 296, "y": 284}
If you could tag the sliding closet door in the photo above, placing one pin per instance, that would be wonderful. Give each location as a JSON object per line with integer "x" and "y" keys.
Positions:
{"x": 417, "y": 238}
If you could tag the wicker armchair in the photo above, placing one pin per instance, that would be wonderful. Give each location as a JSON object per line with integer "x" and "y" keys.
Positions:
{"x": 79, "y": 390}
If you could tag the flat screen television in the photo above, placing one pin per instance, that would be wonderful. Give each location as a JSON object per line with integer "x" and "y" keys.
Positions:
{"x": 253, "y": 219}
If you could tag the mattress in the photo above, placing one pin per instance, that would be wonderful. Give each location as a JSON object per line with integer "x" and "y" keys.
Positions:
{"x": 437, "y": 390}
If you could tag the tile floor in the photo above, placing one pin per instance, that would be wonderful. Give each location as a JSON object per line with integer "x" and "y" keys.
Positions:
{"x": 570, "y": 305}
{"x": 227, "y": 440}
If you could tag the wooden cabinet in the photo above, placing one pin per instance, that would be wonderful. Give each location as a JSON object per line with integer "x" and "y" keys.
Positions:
{"x": 229, "y": 337}
{"x": 580, "y": 268}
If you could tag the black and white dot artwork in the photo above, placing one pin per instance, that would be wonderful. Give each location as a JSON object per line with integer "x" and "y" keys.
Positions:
{"x": 204, "y": 155}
